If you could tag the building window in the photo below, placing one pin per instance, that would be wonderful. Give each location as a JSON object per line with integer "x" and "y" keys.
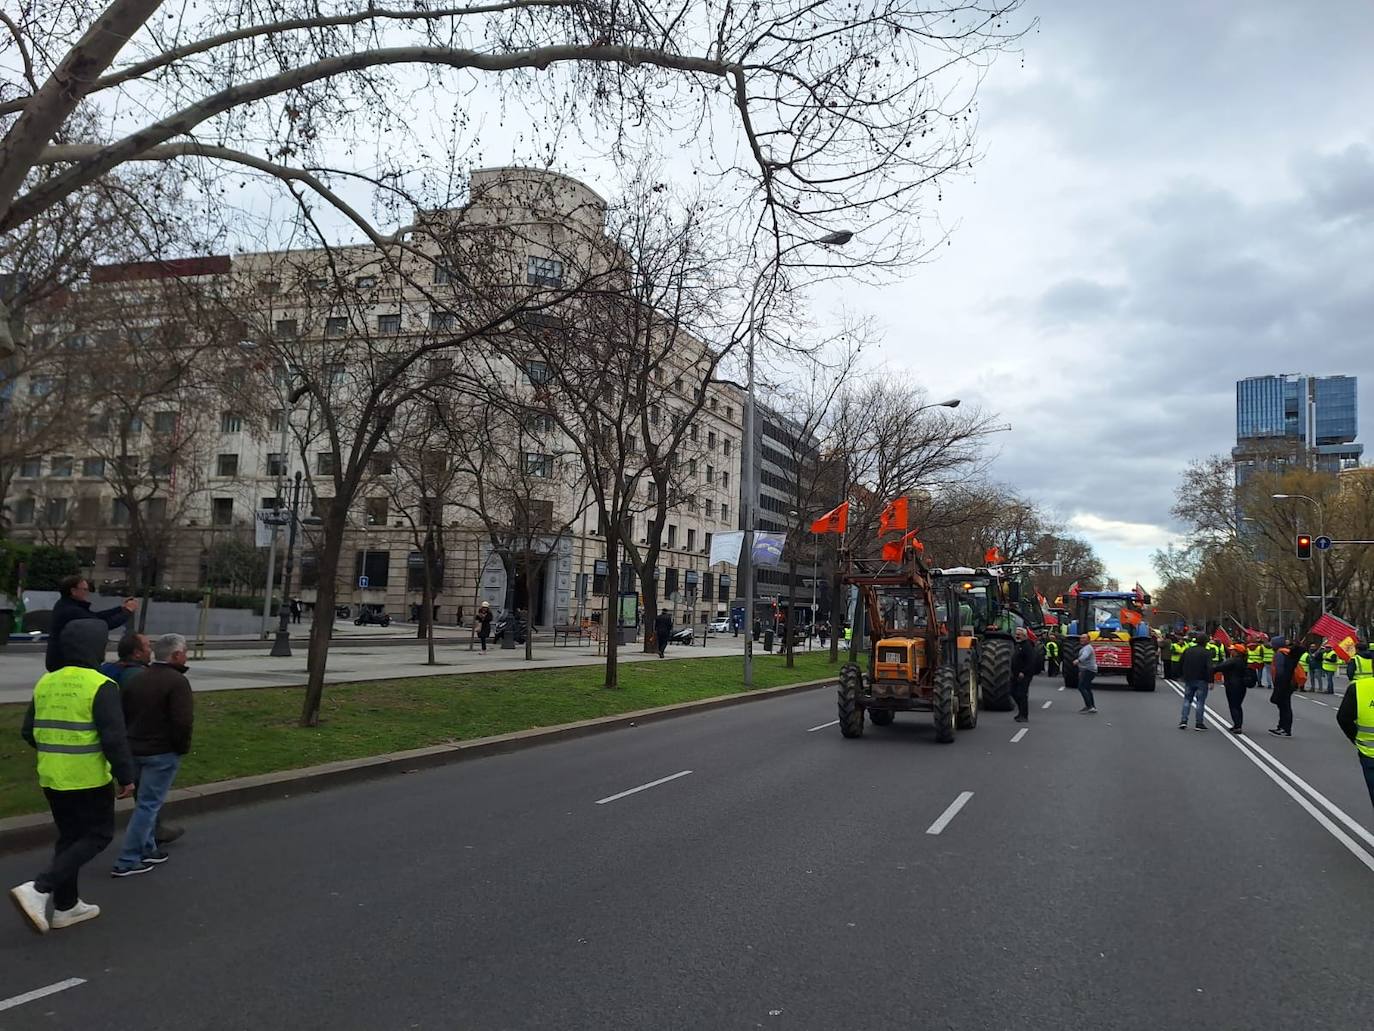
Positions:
{"x": 544, "y": 271}
{"x": 670, "y": 581}
{"x": 442, "y": 321}
{"x": 694, "y": 433}
{"x": 365, "y": 282}
{"x": 653, "y": 492}
{"x": 724, "y": 512}
{"x": 728, "y": 445}
{"x": 730, "y": 412}
{"x": 270, "y": 504}
{"x": 23, "y": 511}
{"x": 319, "y": 506}
{"x": 381, "y": 463}
{"x": 672, "y": 535}
{"x": 375, "y": 565}
{"x": 336, "y": 325}
{"x": 276, "y": 420}
{"x": 155, "y": 510}
{"x": 93, "y": 467}
{"x": 539, "y": 424}
{"x": 31, "y": 468}
{"x": 117, "y": 558}
{"x": 710, "y": 510}
{"x": 164, "y": 422}
{"x": 230, "y": 422}
{"x": 286, "y": 329}
{"x": 389, "y": 324}
{"x": 439, "y": 368}
{"x": 334, "y": 373}
{"x": 711, "y": 439}
{"x": 538, "y": 465}
{"x": 227, "y": 465}
{"x": 691, "y": 539}
{"x": 88, "y": 511}
{"x": 61, "y": 465}
{"x": 324, "y": 463}
{"x": 159, "y": 466}
{"x": 119, "y": 512}
{"x": 376, "y": 511}
{"x": 655, "y": 415}
{"x": 443, "y": 275}
{"x": 222, "y": 511}
{"x": 706, "y": 548}
{"x": 537, "y": 373}
{"x": 710, "y": 474}
{"x": 40, "y": 386}
{"x": 317, "y": 283}
{"x": 691, "y": 467}
{"x": 276, "y": 463}
{"x": 724, "y": 481}
{"x": 415, "y": 572}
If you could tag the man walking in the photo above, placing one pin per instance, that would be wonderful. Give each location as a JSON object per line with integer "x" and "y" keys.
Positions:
{"x": 134, "y": 653}
{"x": 158, "y": 712}
{"x": 1023, "y": 663}
{"x": 663, "y": 629}
{"x": 1356, "y": 714}
{"x": 1195, "y": 670}
{"x": 75, "y": 603}
{"x": 1282, "y": 694}
{"x": 77, "y": 727}
{"x": 1238, "y": 677}
{"x": 1086, "y": 661}
{"x": 1052, "y": 655}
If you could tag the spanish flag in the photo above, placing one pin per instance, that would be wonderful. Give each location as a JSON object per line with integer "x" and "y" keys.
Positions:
{"x": 834, "y": 521}
{"x": 893, "y": 516}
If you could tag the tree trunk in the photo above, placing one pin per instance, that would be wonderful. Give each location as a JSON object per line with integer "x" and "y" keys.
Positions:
{"x": 837, "y": 607}
{"x": 427, "y": 607}
{"x": 529, "y": 608}
{"x": 787, "y": 622}
{"x": 613, "y": 610}
{"x": 649, "y": 588}
{"x": 321, "y": 628}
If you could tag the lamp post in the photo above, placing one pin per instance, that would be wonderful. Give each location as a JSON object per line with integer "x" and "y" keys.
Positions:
{"x": 836, "y": 239}
{"x": 1321, "y": 524}
{"x": 288, "y": 398}
{"x": 281, "y": 647}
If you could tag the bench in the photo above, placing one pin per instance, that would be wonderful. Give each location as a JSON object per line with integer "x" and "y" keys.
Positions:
{"x": 569, "y": 631}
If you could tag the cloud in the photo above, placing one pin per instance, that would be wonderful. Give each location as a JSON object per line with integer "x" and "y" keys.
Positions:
{"x": 1120, "y": 532}
{"x": 1340, "y": 185}
{"x": 1077, "y": 300}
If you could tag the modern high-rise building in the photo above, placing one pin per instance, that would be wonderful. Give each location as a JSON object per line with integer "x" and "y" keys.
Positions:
{"x": 1290, "y": 420}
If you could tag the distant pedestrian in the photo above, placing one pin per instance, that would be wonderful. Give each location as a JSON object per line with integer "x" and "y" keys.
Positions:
{"x": 663, "y": 629}
{"x": 76, "y": 725}
{"x": 1282, "y": 693}
{"x": 1052, "y": 655}
{"x": 1024, "y": 661}
{"x": 1195, "y": 670}
{"x": 1330, "y": 662}
{"x": 134, "y": 653}
{"x": 1238, "y": 678}
{"x": 483, "y": 621}
{"x": 158, "y": 715}
{"x": 296, "y": 609}
{"x": 1086, "y": 661}
{"x": 1356, "y": 714}
{"x": 75, "y": 603}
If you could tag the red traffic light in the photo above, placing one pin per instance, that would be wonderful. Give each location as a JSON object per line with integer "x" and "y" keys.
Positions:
{"x": 1304, "y": 546}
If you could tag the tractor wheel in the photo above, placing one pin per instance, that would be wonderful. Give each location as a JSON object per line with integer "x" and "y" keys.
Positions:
{"x": 945, "y": 704}
{"x": 851, "y": 712}
{"x": 994, "y": 673}
{"x": 881, "y": 717}
{"x": 1144, "y": 662}
{"x": 966, "y": 718}
{"x": 1071, "y": 674}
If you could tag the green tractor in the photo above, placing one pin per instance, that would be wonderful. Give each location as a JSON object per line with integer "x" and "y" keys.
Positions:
{"x": 994, "y": 603}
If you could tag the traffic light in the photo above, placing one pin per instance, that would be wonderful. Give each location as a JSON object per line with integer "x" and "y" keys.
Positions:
{"x": 1304, "y": 546}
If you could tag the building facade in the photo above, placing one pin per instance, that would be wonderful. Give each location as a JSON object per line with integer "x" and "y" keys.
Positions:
{"x": 1296, "y": 420}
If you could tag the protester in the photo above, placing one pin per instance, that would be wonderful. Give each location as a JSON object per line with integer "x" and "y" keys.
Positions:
{"x": 1282, "y": 693}
{"x": 1195, "y": 670}
{"x": 1356, "y": 714}
{"x": 158, "y": 712}
{"x": 76, "y": 725}
{"x": 134, "y": 653}
{"x": 1024, "y": 661}
{"x": 75, "y": 603}
{"x": 484, "y": 624}
{"x": 1330, "y": 663}
{"x": 1086, "y": 661}
{"x": 1239, "y": 678}
{"x": 296, "y": 609}
{"x": 1052, "y": 655}
{"x": 663, "y": 629}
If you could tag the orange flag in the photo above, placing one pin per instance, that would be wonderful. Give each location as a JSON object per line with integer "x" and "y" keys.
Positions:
{"x": 894, "y": 516}
{"x": 893, "y": 550}
{"x": 992, "y": 557}
{"x": 834, "y": 521}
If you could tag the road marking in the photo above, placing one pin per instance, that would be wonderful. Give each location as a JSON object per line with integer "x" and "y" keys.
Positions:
{"x": 40, "y": 993}
{"x": 1322, "y": 704}
{"x": 832, "y": 723}
{"x": 644, "y": 787}
{"x": 1061, "y": 687}
{"x": 950, "y": 813}
{"x": 1046, "y": 705}
{"x": 1253, "y": 751}
{"x": 1019, "y": 735}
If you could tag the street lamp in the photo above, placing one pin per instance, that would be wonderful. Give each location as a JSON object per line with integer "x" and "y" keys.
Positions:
{"x": 836, "y": 239}
{"x": 1321, "y": 524}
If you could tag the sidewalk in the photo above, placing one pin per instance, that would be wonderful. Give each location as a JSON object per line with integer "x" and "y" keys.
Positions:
{"x": 227, "y": 669}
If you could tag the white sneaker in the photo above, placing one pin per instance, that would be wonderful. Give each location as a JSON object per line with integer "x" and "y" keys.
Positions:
{"x": 33, "y": 904}
{"x": 79, "y": 912}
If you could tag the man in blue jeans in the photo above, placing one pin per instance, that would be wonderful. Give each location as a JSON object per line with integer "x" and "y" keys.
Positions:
{"x": 1195, "y": 669}
{"x": 158, "y": 713}
{"x": 1086, "y": 661}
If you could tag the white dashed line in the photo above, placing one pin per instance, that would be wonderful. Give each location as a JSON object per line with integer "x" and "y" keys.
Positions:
{"x": 40, "y": 993}
{"x": 1019, "y": 735}
{"x": 1047, "y": 705}
{"x": 950, "y": 813}
{"x": 832, "y": 723}
{"x": 643, "y": 787}
{"x": 1061, "y": 687}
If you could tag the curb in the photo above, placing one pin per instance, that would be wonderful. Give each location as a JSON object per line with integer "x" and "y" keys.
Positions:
{"x": 20, "y": 833}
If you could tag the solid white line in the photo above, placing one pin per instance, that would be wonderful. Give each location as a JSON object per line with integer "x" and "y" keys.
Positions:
{"x": 1046, "y": 705}
{"x": 832, "y": 723}
{"x": 950, "y": 813}
{"x": 1252, "y": 751}
{"x": 1019, "y": 735}
{"x": 1322, "y": 704}
{"x": 1061, "y": 687}
{"x": 644, "y": 787}
{"x": 40, "y": 993}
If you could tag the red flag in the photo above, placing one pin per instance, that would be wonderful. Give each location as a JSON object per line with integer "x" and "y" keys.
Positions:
{"x": 1139, "y": 592}
{"x": 1221, "y": 635}
{"x": 834, "y": 521}
{"x": 893, "y": 516}
{"x": 893, "y": 550}
{"x": 993, "y": 556}
{"x": 1339, "y": 634}
{"x": 1073, "y": 589}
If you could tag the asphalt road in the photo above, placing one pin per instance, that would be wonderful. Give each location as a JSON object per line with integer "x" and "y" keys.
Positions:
{"x": 1105, "y": 872}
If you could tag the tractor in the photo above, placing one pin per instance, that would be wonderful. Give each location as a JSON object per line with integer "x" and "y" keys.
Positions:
{"x": 1115, "y": 624}
{"x": 1000, "y": 602}
{"x": 919, "y": 659}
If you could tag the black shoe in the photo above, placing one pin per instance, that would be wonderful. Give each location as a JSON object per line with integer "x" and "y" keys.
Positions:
{"x": 157, "y": 857}
{"x": 1200, "y": 726}
{"x": 1281, "y": 733}
{"x": 165, "y": 834}
{"x": 1183, "y": 725}
{"x": 131, "y": 871}
{"x": 1018, "y": 719}
{"x": 1235, "y": 730}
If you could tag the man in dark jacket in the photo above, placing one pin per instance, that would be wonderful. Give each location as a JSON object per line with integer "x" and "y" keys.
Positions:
{"x": 75, "y": 604}
{"x": 1195, "y": 670}
{"x": 1282, "y": 694}
{"x": 1239, "y": 678}
{"x": 1024, "y": 661}
{"x": 134, "y": 653}
{"x": 76, "y": 725}
{"x": 663, "y": 629}
{"x": 159, "y": 712}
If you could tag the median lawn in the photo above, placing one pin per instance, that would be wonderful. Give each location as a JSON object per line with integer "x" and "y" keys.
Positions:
{"x": 240, "y": 733}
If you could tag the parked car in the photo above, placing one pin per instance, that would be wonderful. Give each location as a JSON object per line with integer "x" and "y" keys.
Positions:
{"x": 682, "y": 635}
{"x": 720, "y": 626}
{"x": 371, "y": 617}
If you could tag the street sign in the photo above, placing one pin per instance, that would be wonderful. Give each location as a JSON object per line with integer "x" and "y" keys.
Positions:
{"x": 362, "y": 583}
{"x": 1321, "y": 543}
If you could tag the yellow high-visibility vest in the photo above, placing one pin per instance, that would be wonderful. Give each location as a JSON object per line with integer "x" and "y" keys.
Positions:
{"x": 1364, "y": 705}
{"x": 1331, "y": 661}
{"x": 70, "y": 757}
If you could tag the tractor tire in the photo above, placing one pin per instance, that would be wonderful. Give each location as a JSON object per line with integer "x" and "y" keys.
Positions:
{"x": 851, "y": 712}
{"x": 966, "y": 715}
{"x": 1071, "y": 674}
{"x": 994, "y": 673}
{"x": 945, "y": 704}
{"x": 881, "y": 717}
{"x": 1144, "y": 662}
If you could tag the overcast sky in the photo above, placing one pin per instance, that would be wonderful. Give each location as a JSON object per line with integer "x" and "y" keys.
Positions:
{"x": 1172, "y": 196}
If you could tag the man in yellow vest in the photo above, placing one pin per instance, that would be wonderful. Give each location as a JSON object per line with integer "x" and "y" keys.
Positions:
{"x": 1356, "y": 714}
{"x": 76, "y": 724}
{"x": 1052, "y": 655}
{"x": 1330, "y": 663}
